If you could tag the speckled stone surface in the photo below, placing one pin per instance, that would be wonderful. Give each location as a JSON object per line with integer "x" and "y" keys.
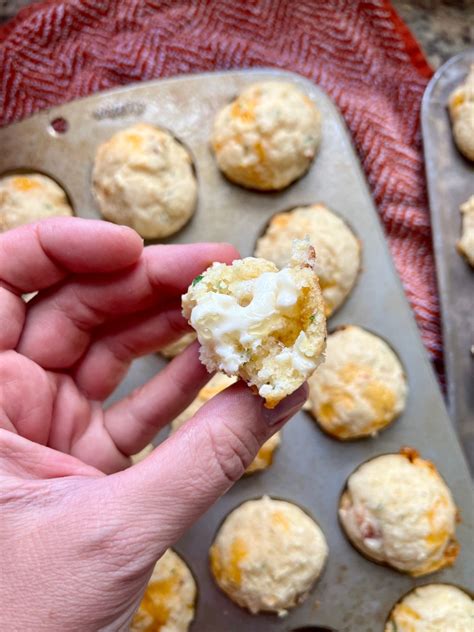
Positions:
{"x": 443, "y": 27}
{"x": 8, "y": 8}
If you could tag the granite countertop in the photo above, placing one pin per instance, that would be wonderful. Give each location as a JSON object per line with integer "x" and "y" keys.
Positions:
{"x": 443, "y": 27}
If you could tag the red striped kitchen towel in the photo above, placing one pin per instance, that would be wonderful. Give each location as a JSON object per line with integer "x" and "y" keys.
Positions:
{"x": 359, "y": 51}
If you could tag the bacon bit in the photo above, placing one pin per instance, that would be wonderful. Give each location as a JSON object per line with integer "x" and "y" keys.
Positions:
{"x": 367, "y": 529}
{"x": 409, "y": 453}
{"x": 369, "y": 532}
{"x": 311, "y": 258}
{"x": 451, "y": 553}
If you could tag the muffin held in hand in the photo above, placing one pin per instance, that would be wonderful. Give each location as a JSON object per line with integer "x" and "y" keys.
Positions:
{"x": 170, "y": 598}
{"x": 29, "y": 198}
{"x": 143, "y": 178}
{"x": 267, "y": 555}
{"x": 218, "y": 383}
{"x": 397, "y": 510}
{"x": 433, "y": 608}
{"x": 264, "y": 325}
{"x": 461, "y": 110}
{"x": 268, "y": 136}
{"x": 338, "y": 249}
{"x": 361, "y": 387}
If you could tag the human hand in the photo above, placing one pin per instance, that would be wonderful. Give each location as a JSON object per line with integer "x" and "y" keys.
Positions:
{"x": 79, "y": 534}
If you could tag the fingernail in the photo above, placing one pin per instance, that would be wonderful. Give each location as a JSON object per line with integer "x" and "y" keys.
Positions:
{"x": 286, "y": 408}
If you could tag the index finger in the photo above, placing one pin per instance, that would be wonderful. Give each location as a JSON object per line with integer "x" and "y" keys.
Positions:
{"x": 80, "y": 305}
{"x": 38, "y": 255}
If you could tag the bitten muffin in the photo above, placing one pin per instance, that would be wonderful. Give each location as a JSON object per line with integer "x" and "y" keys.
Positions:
{"x": 143, "y": 178}
{"x": 397, "y": 510}
{"x": 169, "y": 601}
{"x": 268, "y": 136}
{"x": 29, "y": 198}
{"x": 218, "y": 383}
{"x": 466, "y": 244}
{"x": 433, "y": 608}
{"x": 267, "y": 555}
{"x": 262, "y": 324}
{"x": 360, "y": 388}
{"x": 175, "y": 348}
{"x": 461, "y": 110}
{"x": 338, "y": 251}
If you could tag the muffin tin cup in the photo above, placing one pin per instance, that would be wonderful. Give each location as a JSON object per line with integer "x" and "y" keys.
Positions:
{"x": 310, "y": 469}
{"x": 361, "y": 437}
{"x": 469, "y": 593}
{"x": 303, "y": 596}
{"x": 403, "y": 450}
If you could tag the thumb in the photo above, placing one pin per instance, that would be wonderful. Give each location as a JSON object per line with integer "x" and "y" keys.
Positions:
{"x": 187, "y": 473}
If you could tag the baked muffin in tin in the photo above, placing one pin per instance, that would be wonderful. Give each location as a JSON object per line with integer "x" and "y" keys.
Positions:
{"x": 397, "y": 510}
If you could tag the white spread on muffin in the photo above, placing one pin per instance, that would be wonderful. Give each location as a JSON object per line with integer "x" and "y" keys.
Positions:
{"x": 260, "y": 323}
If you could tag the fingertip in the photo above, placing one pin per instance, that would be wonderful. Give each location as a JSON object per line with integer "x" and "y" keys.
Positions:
{"x": 133, "y": 240}
{"x": 230, "y": 252}
{"x": 287, "y": 407}
{"x": 236, "y": 401}
{"x": 92, "y": 245}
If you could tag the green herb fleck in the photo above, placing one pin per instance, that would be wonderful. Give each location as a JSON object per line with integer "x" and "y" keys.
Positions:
{"x": 394, "y": 626}
{"x": 197, "y": 279}
{"x": 312, "y": 317}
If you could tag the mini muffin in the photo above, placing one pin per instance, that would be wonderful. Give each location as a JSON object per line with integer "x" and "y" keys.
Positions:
{"x": 218, "y": 383}
{"x": 337, "y": 248}
{"x": 175, "y": 348}
{"x": 169, "y": 601}
{"x": 361, "y": 386}
{"x": 29, "y": 198}
{"x": 461, "y": 109}
{"x": 143, "y": 178}
{"x": 268, "y": 136}
{"x": 262, "y": 324}
{"x": 466, "y": 243}
{"x": 397, "y": 510}
{"x": 433, "y": 608}
{"x": 267, "y": 555}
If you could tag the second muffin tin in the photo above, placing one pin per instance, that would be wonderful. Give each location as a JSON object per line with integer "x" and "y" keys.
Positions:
{"x": 310, "y": 469}
{"x": 450, "y": 179}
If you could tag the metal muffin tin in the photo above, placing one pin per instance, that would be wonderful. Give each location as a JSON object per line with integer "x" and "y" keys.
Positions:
{"x": 310, "y": 468}
{"x": 450, "y": 183}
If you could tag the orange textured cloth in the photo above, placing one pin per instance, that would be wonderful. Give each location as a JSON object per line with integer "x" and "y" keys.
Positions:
{"x": 360, "y": 52}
